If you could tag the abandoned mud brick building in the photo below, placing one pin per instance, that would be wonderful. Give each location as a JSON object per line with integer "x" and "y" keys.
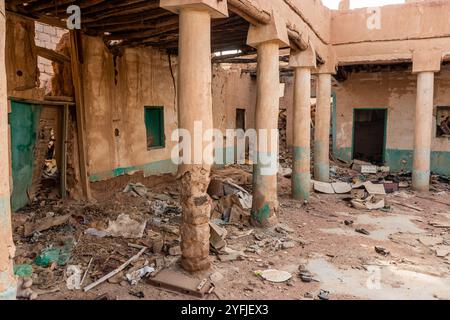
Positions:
{"x": 115, "y": 91}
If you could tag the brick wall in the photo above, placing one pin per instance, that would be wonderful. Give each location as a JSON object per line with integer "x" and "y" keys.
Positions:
{"x": 47, "y": 37}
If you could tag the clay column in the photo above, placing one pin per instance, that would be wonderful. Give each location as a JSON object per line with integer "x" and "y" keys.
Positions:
{"x": 425, "y": 64}
{"x": 7, "y": 280}
{"x": 322, "y": 129}
{"x": 267, "y": 39}
{"x": 195, "y": 116}
{"x": 302, "y": 62}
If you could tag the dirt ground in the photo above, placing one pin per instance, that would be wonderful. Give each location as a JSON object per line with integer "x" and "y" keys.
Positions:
{"x": 317, "y": 239}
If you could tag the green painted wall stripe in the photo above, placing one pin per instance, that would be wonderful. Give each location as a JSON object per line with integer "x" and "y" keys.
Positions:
{"x": 153, "y": 168}
{"x": 402, "y": 160}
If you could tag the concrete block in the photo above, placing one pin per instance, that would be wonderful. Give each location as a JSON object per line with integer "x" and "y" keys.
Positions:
{"x": 427, "y": 60}
{"x": 218, "y": 8}
{"x": 303, "y": 59}
{"x": 274, "y": 31}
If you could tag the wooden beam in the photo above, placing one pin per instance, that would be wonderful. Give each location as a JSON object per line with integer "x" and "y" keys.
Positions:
{"x": 76, "y": 59}
{"x": 51, "y": 55}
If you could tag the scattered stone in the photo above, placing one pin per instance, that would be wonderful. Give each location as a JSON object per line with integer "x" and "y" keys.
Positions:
{"x": 382, "y": 251}
{"x": 363, "y": 231}
{"x": 442, "y": 251}
{"x": 175, "y": 251}
{"x": 440, "y": 224}
{"x": 348, "y": 222}
{"x": 216, "y": 277}
{"x": 137, "y": 294}
{"x": 324, "y": 295}
{"x": 430, "y": 241}
{"x": 217, "y": 236}
{"x": 308, "y": 295}
{"x": 230, "y": 255}
{"x": 282, "y": 228}
{"x": 306, "y": 277}
{"x": 287, "y": 245}
{"x": 158, "y": 245}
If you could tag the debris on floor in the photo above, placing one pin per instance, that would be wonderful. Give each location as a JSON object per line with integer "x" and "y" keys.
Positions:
{"x": 273, "y": 275}
{"x": 24, "y": 290}
{"x": 127, "y": 228}
{"x": 129, "y": 243}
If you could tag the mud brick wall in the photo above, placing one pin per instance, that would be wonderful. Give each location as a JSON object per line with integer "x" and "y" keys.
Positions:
{"x": 47, "y": 37}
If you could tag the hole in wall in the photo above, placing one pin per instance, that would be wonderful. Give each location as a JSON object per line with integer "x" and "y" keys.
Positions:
{"x": 116, "y": 132}
{"x": 19, "y": 73}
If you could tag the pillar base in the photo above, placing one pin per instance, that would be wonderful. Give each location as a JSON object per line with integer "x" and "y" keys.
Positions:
{"x": 421, "y": 181}
{"x": 265, "y": 202}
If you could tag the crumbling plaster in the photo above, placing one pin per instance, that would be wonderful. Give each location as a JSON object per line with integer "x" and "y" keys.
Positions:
{"x": 115, "y": 97}
{"x": 231, "y": 90}
{"x": 402, "y": 29}
{"x": 395, "y": 91}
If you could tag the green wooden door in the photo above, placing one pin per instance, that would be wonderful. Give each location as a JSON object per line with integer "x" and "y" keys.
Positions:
{"x": 154, "y": 123}
{"x": 24, "y": 122}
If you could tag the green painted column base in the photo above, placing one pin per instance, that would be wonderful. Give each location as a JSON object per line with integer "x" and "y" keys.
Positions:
{"x": 301, "y": 181}
{"x": 321, "y": 167}
{"x": 421, "y": 180}
{"x": 322, "y": 172}
{"x": 265, "y": 203}
{"x": 301, "y": 186}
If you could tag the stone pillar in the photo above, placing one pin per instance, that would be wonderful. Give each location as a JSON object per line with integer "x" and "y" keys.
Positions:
{"x": 195, "y": 116}
{"x": 322, "y": 129}
{"x": 425, "y": 64}
{"x": 267, "y": 39}
{"x": 7, "y": 249}
{"x": 302, "y": 62}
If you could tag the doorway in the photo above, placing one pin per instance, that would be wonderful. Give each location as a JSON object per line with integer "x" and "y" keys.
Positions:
{"x": 241, "y": 154}
{"x": 369, "y": 135}
{"x": 37, "y": 153}
{"x": 240, "y": 119}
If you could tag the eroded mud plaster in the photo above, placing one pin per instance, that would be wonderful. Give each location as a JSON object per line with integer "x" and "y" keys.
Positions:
{"x": 396, "y": 91}
{"x": 117, "y": 90}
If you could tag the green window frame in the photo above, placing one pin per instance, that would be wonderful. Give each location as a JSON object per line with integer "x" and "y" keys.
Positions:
{"x": 154, "y": 125}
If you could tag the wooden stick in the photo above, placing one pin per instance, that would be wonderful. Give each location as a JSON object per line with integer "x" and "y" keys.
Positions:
{"x": 113, "y": 273}
{"x": 86, "y": 272}
{"x": 407, "y": 206}
{"x": 136, "y": 246}
{"x": 434, "y": 200}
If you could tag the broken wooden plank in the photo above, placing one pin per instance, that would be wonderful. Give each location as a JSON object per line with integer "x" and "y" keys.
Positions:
{"x": 410, "y": 206}
{"x": 51, "y": 55}
{"x": 434, "y": 200}
{"x": 114, "y": 272}
{"x": 76, "y": 60}
{"x": 45, "y": 224}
